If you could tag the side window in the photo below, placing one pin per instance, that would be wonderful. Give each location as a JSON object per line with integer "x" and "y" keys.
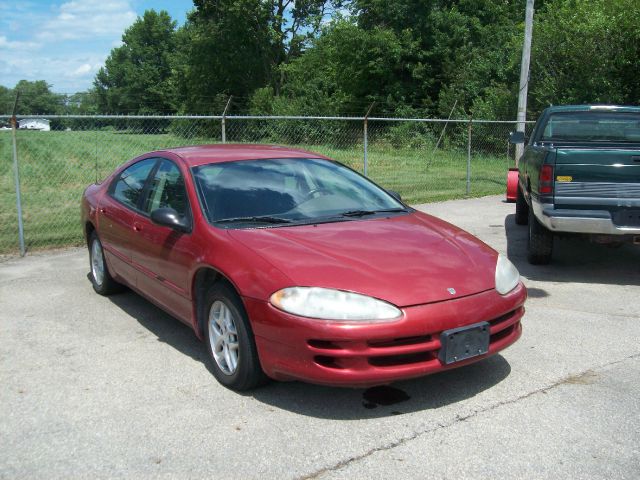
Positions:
{"x": 167, "y": 190}
{"x": 127, "y": 188}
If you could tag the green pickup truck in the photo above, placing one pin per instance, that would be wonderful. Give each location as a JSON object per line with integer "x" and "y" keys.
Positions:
{"x": 580, "y": 174}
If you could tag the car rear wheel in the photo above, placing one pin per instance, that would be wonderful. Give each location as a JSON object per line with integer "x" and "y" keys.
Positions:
{"x": 540, "y": 242}
{"x": 522, "y": 209}
{"x": 102, "y": 281}
{"x": 230, "y": 341}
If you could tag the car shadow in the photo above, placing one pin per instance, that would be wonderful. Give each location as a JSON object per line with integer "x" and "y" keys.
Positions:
{"x": 575, "y": 259}
{"x": 430, "y": 392}
{"x": 166, "y": 328}
{"x": 425, "y": 393}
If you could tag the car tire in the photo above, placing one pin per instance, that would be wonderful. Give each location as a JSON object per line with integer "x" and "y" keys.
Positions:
{"x": 102, "y": 281}
{"x": 522, "y": 209}
{"x": 230, "y": 341}
{"x": 540, "y": 245}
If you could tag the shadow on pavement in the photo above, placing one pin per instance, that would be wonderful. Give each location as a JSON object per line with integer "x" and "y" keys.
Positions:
{"x": 166, "y": 328}
{"x": 575, "y": 259}
{"x": 425, "y": 393}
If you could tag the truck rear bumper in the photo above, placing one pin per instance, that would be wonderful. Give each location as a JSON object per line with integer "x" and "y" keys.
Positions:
{"x": 579, "y": 221}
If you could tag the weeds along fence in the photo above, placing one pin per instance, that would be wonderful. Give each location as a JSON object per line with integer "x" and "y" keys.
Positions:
{"x": 425, "y": 160}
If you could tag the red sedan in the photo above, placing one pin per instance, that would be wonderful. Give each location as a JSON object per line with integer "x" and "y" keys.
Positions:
{"x": 292, "y": 266}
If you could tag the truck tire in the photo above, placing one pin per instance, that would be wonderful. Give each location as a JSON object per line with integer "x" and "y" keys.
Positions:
{"x": 522, "y": 209}
{"x": 540, "y": 245}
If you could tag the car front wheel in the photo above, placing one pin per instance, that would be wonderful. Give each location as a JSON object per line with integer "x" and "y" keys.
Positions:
{"x": 230, "y": 341}
{"x": 102, "y": 281}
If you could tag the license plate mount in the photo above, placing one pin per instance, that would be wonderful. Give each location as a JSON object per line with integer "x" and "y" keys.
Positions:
{"x": 458, "y": 344}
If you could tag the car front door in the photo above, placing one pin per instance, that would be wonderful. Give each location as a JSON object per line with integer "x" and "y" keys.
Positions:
{"x": 163, "y": 255}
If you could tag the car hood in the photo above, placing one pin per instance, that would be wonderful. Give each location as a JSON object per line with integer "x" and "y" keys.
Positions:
{"x": 406, "y": 260}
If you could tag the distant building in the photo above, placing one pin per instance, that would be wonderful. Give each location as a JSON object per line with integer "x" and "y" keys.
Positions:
{"x": 35, "y": 124}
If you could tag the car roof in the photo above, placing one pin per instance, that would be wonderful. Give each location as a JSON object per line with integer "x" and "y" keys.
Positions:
{"x": 204, "y": 154}
{"x": 584, "y": 108}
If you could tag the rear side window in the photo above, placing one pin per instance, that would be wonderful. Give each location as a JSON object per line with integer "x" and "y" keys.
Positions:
{"x": 127, "y": 188}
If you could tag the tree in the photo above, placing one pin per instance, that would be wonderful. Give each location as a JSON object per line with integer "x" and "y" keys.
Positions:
{"x": 138, "y": 76}
{"x": 585, "y": 52}
{"x": 7, "y": 98}
{"x": 82, "y": 103}
{"x": 346, "y": 68}
{"x": 237, "y": 46}
{"x": 224, "y": 49}
{"x": 36, "y": 98}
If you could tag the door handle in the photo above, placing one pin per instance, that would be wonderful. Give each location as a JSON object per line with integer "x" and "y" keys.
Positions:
{"x": 137, "y": 227}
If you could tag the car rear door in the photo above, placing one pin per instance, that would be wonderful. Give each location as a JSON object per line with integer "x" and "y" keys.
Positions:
{"x": 116, "y": 212}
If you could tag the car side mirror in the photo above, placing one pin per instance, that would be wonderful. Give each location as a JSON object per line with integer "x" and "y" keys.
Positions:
{"x": 395, "y": 195}
{"x": 516, "y": 137}
{"x": 168, "y": 217}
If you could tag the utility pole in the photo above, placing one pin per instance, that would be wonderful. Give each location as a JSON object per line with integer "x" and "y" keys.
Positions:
{"x": 524, "y": 76}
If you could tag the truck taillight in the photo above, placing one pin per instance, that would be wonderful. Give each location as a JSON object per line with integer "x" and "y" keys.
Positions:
{"x": 546, "y": 180}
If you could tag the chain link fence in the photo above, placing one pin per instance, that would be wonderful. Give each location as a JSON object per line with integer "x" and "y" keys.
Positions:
{"x": 423, "y": 160}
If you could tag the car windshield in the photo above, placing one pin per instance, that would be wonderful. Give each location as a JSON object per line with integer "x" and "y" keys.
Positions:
{"x": 593, "y": 126}
{"x": 287, "y": 191}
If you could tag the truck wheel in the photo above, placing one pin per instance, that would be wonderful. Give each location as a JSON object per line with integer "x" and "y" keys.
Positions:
{"x": 522, "y": 209}
{"x": 540, "y": 244}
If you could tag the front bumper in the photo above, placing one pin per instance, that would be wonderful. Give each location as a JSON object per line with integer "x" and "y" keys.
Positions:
{"x": 357, "y": 355}
{"x": 579, "y": 221}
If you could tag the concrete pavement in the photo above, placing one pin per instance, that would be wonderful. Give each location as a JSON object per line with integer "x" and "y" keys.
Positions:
{"x": 96, "y": 387}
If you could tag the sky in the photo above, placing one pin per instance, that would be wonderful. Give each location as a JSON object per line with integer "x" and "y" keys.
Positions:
{"x": 65, "y": 42}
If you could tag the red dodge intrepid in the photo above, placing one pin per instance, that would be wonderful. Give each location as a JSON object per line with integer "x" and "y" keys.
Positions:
{"x": 292, "y": 266}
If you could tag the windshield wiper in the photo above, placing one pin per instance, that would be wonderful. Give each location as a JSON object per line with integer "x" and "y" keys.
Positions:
{"x": 254, "y": 219}
{"x": 362, "y": 213}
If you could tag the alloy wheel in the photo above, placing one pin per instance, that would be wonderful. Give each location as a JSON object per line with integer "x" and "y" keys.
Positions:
{"x": 223, "y": 337}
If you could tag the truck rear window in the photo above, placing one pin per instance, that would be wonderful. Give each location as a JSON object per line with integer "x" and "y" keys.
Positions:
{"x": 593, "y": 126}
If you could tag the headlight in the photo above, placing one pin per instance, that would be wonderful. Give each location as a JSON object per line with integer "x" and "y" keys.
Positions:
{"x": 328, "y": 304}
{"x": 507, "y": 276}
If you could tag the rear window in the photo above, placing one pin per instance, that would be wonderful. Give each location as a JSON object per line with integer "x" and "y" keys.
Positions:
{"x": 593, "y": 126}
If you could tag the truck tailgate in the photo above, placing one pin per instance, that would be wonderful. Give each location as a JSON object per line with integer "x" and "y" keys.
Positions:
{"x": 597, "y": 177}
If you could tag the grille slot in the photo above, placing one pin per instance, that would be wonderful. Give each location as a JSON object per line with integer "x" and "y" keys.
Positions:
{"x": 399, "y": 342}
{"x": 324, "y": 345}
{"x": 502, "y": 333}
{"x": 395, "y": 360}
{"x": 328, "y": 362}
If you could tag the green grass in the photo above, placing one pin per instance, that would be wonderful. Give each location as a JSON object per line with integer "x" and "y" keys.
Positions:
{"x": 55, "y": 167}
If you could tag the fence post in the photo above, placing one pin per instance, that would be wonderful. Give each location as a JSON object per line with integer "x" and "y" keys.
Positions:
{"x": 469, "y": 156}
{"x": 366, "y": 139}
{"x": 224, "y": 122}
{"x": 16, "y": 176}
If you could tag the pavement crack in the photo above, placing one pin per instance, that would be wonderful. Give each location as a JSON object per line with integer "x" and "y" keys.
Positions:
{"x": 581, "y": 378}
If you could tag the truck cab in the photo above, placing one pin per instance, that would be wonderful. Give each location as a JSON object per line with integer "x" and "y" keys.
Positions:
{"x": 580, "y": 174}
